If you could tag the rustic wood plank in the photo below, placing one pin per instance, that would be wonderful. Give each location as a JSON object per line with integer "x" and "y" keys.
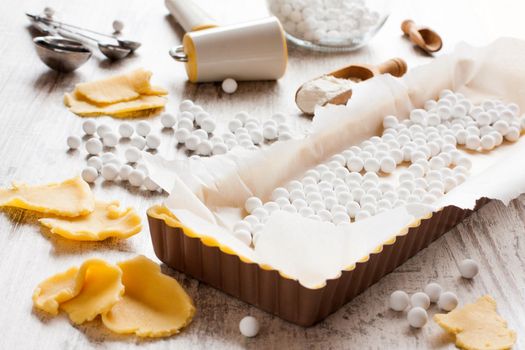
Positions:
{"x": 34, "y": 125}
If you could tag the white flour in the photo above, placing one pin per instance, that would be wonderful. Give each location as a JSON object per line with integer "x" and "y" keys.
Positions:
{"x": 321, "y": 90}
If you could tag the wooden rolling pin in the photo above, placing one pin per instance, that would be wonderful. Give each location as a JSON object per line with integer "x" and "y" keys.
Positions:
{"x": 423, "y": 37}
{"x": 357, "y": 72}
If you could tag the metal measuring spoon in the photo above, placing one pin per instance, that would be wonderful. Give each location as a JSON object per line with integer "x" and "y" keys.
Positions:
{"x": 61, "y": 54}
{"x": 111, "y": 51}
{"x": 127, "y": 44}
{"x": 124, "y": 43}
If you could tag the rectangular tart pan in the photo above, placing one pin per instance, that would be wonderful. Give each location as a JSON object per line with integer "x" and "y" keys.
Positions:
{"x": 286, "y": 298}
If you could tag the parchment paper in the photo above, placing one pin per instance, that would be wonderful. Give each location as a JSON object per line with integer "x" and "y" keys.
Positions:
{"x": 208, "y": 194}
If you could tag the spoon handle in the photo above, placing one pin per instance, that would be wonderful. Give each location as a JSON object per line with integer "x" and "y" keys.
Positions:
{"x": 408, "y": 26}
{"x": 71, "y": 34}
{"x": 411, "y": 30}
{"x": 62, "y": 25}
{"x": 395, "y": 66}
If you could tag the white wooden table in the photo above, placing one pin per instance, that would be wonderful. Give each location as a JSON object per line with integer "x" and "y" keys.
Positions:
{"x": 34, "y": 125}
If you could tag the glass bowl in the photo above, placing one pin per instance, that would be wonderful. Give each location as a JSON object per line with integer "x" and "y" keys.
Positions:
{"x": 330, "y": 25}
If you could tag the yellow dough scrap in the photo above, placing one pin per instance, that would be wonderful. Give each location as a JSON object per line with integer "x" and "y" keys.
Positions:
{"x": 71, "y": 197}
{"x": 107, "y": 220}
{"x": 132, "y": 297}
{"x": 123, "y": 96}
{"x": 478, "y": 326}
{"x": 154, "y": 305}
{"x": 144, "y": 104}
{"x": 83, "y": 292}
{"x": 139, "y": 114}
{"x": 118, "y": 88}
{"x": 155, "y": 90}
{"x": 52, "y": 292}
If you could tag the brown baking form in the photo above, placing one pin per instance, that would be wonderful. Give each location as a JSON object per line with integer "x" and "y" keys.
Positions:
{"x": 479, "y": 73}
{"x": 286, "y": 298}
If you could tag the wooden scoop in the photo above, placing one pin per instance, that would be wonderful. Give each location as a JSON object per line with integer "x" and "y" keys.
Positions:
{"x": 424, "y": 37}
{"x": 359, "y": 72}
